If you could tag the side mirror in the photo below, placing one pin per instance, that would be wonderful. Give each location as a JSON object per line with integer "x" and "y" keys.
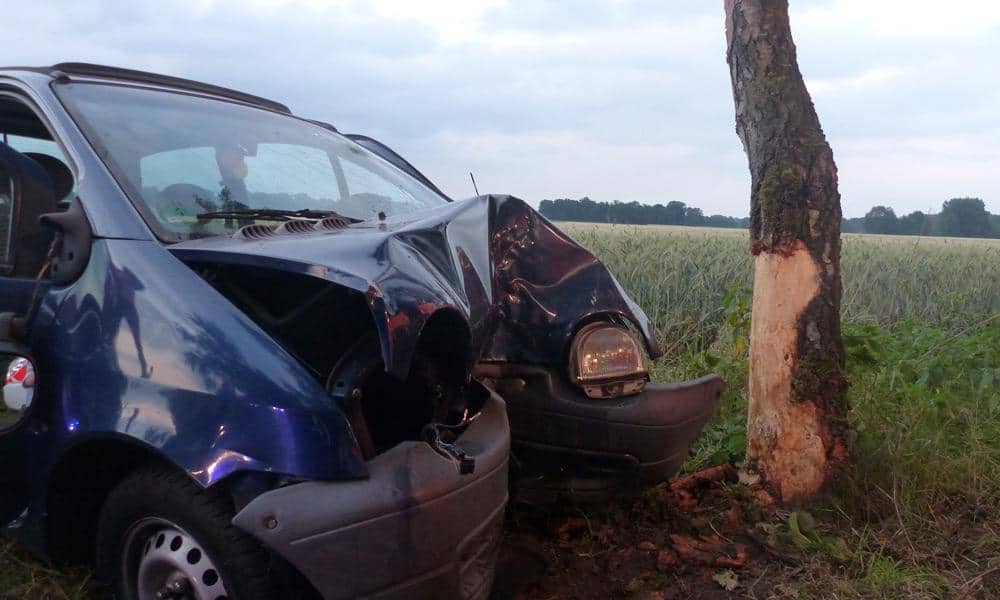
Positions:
{"x": 75, "y": 236}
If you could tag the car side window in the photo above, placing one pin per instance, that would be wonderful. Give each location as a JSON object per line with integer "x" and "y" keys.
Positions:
{"x": 36, "y": 145}
{"x": 370, "y": 192}
{"x": 45, "y": 150}
{"x": 24, "y": 243}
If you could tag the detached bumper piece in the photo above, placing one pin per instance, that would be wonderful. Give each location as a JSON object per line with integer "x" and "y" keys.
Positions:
{"x": 566, "y": 444}
{"x": 416, "y": 528}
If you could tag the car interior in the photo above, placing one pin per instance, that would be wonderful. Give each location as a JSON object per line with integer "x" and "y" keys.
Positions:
{"x": 23, "y": 243}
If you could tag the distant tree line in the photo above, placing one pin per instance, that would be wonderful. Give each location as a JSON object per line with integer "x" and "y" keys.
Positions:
{"x": 634, "y": 213}
{"x": 959, "y": 217}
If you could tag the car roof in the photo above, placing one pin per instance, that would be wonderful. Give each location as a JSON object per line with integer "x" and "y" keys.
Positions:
{"x": 69, "y": 69}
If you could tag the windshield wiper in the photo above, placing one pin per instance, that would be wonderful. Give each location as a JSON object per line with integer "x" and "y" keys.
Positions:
{"x": 274, "y": 214}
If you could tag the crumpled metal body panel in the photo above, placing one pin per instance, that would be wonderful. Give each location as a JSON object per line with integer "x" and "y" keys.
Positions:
{"x": 144, "y": 347}
{"x": 143, "y": 351}
{"x": 522, "y": 285}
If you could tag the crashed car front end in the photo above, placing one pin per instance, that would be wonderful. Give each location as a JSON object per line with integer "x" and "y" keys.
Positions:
{"x": 518, "y": 296}
{"x": 531, "y": 306}
{"x": 344, "y": 369}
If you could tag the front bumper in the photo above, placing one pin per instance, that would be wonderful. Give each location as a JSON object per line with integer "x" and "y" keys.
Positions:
{"x": 563, "y": 439}
{"x": 415, "y": 528}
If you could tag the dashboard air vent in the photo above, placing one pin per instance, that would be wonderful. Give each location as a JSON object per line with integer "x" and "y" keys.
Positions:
{"x": 254, "y": 231}
{"x": 333, "y": 223}
{"x": 296, "y": 226}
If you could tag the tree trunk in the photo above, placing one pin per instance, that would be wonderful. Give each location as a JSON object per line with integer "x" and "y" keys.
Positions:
{"x": 797, "y": 419}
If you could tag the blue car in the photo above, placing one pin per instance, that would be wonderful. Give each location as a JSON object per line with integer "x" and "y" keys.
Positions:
{"x": 272, "y": 360}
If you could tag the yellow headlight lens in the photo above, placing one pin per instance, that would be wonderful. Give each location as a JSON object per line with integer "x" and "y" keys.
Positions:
{"x": 603, "y": 352}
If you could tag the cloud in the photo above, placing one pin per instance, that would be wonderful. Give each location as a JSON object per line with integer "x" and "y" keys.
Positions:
{"x": 930, "y": 168}
{"x": 866, "y": 79}
{"x": 615, "y": 99}
{"x": 895, "y": 19}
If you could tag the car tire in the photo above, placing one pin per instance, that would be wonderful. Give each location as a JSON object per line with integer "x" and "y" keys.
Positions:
{"x": 157, "y": 528}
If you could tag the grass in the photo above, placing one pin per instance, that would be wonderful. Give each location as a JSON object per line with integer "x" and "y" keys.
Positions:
{"x": 22, "y": 576}
{"x": 919, "y": 514}
{"x": 920, "y": 509}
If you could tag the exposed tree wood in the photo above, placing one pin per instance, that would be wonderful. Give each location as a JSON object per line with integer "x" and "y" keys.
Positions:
{"x": 797, "y": 422}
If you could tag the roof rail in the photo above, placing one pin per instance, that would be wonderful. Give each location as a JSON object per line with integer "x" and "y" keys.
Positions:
{"x": 91, "y": 70}
{"x": 324, "y": 125}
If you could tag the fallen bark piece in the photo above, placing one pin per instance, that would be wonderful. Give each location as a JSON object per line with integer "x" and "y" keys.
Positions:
{"x": 764, "y": 497}
{"x": 607, "y": 534}
{"x": 666, "y": 559}
{"x": 735, "y": 515}
{"x": 712, "y": 551}
{"x": 684, "y": 500}
{"x": 749, "y": 478}
{"x": 740, "y": 560}
{"x": 646, "y": 546}
{"x": 724, "y": 472}
{"x": 571, "y": 525}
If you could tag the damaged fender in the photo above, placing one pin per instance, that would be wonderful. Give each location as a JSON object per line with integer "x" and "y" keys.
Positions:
{"x": 522, "y": 285}
{"x": 143, "y": 350}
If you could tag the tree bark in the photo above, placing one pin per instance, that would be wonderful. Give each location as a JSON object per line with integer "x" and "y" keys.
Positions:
{"x": 797, "y": 426}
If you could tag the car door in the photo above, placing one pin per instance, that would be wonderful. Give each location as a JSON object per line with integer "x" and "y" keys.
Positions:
{"x": 34, "y": 180}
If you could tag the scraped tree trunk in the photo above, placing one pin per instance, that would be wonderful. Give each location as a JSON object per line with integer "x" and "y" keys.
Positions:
{"x": 796, "y": 429}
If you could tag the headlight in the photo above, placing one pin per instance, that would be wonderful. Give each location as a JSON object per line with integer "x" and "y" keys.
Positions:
{"x": 607, "y": 362}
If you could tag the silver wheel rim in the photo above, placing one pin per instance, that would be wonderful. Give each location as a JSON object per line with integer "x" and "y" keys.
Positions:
{"x": 161, "y": 561}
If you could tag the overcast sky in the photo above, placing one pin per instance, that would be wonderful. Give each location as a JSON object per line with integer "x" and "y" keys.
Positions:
{"x": 616, "y": 100}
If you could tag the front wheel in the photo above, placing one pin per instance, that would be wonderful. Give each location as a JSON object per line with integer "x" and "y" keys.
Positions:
{"x": 161, "y": 537}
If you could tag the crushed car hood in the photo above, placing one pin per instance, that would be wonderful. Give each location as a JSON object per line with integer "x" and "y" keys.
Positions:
{"x": 522, "y": 285}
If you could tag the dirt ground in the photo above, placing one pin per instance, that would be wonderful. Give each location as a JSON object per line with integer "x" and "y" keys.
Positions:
{"x": 687, "y": 540}
{"x": 709, "y": 536}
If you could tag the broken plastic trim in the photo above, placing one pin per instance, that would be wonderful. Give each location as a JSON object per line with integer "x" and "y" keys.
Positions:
{"x": 432, "y": 435}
